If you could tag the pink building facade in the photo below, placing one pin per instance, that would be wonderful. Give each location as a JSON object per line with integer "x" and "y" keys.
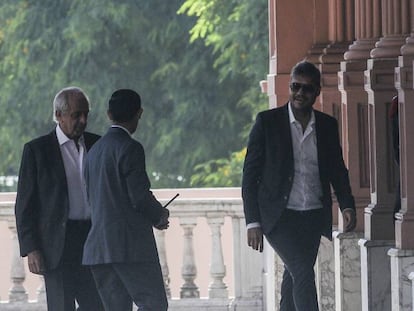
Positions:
{"x": 365, "y": 51}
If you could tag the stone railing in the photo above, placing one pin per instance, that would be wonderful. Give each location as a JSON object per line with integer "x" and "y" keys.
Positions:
{"x": 218, "y": 209}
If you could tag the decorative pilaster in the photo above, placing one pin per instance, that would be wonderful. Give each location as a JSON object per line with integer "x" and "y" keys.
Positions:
{"x": 404, "y": 226}
{"x": 402, "y": 258}
{"x": 355, "y": 143}
{"x": 354, "y": 102}
{"x": 379, "y": 84}
{"x": 330, "y": 97}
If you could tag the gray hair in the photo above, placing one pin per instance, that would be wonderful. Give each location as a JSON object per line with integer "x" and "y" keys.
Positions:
{"x": 61, "y": 100}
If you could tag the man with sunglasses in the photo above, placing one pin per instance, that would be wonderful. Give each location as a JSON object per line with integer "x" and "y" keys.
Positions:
{"x": 293, "y": 158}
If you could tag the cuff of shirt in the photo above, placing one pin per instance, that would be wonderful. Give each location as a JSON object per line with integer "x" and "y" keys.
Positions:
{"x": 253, "y": 225}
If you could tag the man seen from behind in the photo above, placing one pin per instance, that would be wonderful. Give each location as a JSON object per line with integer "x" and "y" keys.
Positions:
{"x": 120, "y": 247}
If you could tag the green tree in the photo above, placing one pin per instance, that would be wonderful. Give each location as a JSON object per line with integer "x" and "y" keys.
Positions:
{"x": 237, "y": 32}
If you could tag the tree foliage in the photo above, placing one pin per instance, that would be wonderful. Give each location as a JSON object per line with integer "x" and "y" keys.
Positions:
{"x": 198, "y": 88}
{"x": 237, "y": 31}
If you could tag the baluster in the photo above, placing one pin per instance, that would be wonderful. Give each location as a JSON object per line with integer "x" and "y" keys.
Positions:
{"x": 17, "y": 274}
{"x": 217, "y": 288}
{"x": 160, "y": 238}
{"x": 41, "y": 291}
{"x": 189, "y": 269}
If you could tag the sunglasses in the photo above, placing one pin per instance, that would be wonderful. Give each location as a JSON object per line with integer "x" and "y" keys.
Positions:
{"x": 306, "y": 88}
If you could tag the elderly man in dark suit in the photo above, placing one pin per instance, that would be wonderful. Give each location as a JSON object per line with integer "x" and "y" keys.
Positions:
{"x": 121, "y": 247}
{"x": 293, "y": 158}
{"x": 52, "y": 213}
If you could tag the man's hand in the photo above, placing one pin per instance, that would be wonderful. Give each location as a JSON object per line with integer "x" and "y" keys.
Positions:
{"x": 255, "y": 238}
{"x": 164, "y": 222}
{"x": 35, "y": 262}
{"x": 349, "y": 217}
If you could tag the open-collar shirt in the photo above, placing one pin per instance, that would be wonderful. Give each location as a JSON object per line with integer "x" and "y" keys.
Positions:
{"x": 73, "y": 159}
{"x": 306, "y": 190}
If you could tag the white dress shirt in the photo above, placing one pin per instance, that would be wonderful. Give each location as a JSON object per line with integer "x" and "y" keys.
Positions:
{"x": 73, "y": 159}
{"x": 306, "y": 190}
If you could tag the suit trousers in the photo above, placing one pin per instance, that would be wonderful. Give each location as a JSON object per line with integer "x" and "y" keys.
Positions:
{"x": 296, "y": 238}
{"x": 121, "y": 284}
{"x": 71, "y": 281}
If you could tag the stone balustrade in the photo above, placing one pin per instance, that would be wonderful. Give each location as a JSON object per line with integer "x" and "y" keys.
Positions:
{"x": 215, "y": 207}
{"x": 205, "y": 260}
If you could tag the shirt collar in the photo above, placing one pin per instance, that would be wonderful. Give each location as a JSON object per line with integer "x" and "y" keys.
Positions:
{"x": 62, "y": 138}
{"x": 292, "y": 118}
{"x": 121, "y": 127}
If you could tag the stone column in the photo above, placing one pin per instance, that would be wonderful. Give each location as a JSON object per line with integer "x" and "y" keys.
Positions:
{"x": 402, "y": 257}
{"x": 380, "y": 87}
{"x": 404, "y": 84}
{"x": 379, "y": 233}
{"x": 354, "y": 100}
{"x": 348, "y": 272}
{"x": 379, "y": 228}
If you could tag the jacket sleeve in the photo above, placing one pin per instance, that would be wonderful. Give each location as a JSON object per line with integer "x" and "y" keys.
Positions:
{"x": 138, "y": 184}
{"x": 252, "y": 171}
{"x": 26, "y": 208}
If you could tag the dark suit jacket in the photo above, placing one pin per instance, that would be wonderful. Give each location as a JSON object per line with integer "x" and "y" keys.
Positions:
{"x": 268, "y": 168}
{"x": 123, "y": 207}
{"x": 42, "y": 202}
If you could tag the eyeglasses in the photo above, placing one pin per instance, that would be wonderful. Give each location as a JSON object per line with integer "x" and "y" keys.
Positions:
{"x": 306, "y": 88}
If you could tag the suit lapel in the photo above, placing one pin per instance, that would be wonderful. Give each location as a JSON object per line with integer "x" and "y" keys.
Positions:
{"x": 283, "y": 129}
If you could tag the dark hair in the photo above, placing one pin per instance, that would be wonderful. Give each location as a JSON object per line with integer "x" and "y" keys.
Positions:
{"x": 124, "y": 105}
{"x": 307, "y": 69}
